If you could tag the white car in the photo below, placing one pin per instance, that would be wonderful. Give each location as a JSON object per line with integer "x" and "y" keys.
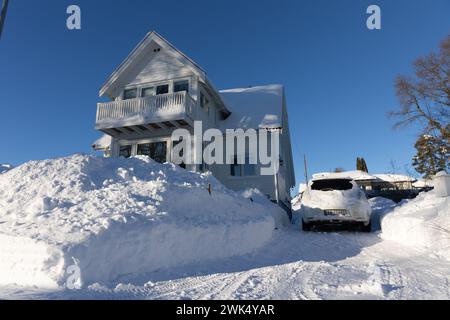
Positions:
{"x": 335, "y": 201}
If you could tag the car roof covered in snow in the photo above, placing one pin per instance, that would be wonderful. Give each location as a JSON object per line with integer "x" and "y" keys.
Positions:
{"x": 258, "y": 107}
{"x": 356, "y": 175}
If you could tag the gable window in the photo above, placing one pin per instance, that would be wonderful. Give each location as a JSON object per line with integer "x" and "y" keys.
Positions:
{"x": 180, "y": 86}
{"x": 240, "y": 170}
{"x": 129, "y": 94}
{"x": 125, "y": 151}
{"x": 148, "y": 92}
{"x": 162, "y": 89}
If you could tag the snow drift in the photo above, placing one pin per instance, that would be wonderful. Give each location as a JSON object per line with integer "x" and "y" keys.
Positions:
{"x": 116, "y": 217}
{"x": 423, "y": 222}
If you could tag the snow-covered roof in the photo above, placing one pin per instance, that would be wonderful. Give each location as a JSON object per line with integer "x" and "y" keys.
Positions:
{"x": 395, "y": 178}
{"x": 5, "y": 167}
{"x": 255, "y": 107}
{"x": 361, "y": 176}
{"x": 423, "y": 184}
{"x": 103, "y": 143}
{"x": 356, "y": 175}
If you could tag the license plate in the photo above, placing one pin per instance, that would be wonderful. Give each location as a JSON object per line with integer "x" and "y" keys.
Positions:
{"x": 335, "y": 212}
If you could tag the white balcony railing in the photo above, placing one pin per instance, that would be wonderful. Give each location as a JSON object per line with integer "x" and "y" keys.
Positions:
{"x": 163, "y": 107}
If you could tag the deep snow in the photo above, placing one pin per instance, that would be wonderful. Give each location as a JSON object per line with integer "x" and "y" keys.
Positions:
{"x": 117, "y": 217}
{"x": 423, "y": 222}
{"x": 293, "y": 265}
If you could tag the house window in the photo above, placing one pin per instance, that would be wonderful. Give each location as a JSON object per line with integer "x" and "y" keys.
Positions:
{"x": 148, "y": 92}
{"x": 181, "y": 86}
{"x": 130, "y": 94}
{"x": 162, "y": 89}
{"x": 155, "y": 150}
{"x": 125, "y": 151}
{"x": 240, "y": 170}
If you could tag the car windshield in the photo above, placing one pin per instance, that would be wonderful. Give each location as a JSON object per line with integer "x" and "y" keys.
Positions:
{"x": 332, "y": 184}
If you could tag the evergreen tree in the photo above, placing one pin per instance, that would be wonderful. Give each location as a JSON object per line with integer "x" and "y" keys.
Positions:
{"x": 361, "y": 164}
{"x": 358, "y": 163}
{"x": 364, "y": 165}
{"x": 433, "y": 155}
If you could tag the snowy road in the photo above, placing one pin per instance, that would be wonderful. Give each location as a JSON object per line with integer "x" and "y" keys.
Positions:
{"x": 294, "y": 265}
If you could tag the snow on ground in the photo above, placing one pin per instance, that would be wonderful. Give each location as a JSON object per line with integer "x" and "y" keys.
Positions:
{"x": 380, "y": 207}
{"x": 116, "y": 217}
{"x": 293, "y": 265}
{"x": 423, "y": 222}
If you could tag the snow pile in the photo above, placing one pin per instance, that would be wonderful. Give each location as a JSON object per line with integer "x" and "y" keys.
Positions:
{"x": 280, "y": 216}
{"x": 382, "y": 205}
{"x": 115, "y": 217}
{"x": 423, "y": 222}
{"x": 5, "y": 167}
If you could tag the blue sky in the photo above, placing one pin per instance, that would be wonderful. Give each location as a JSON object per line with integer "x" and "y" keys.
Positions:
{"x": 338, "y": 75}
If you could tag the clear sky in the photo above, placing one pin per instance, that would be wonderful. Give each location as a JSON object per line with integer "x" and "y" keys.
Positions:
{"x": 338, "y": 75}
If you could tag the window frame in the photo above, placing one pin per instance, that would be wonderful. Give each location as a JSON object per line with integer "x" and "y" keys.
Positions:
{"x": 162, "y": 85}
{"x": 147, "y": 88}
{"x": 186, "y": 81}
{"x": 130, "y": 89}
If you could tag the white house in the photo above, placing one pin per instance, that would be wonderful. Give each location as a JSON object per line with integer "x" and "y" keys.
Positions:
{"x": 158, "y": 89}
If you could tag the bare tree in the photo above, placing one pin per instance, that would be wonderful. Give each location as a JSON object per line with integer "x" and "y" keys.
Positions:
{"x": 425, "y": 98}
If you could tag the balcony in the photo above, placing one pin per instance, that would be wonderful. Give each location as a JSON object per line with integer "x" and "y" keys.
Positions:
{"x": 148, "y": 113}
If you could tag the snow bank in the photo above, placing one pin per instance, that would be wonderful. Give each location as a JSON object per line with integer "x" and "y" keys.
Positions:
{"x": 280, "y": 216}
{"x": 115, "y": 217}
{"x": 423, "y": 222}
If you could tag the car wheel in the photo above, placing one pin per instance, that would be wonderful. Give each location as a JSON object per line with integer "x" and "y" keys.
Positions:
{"x": 306, "y": 226}
{"x": 366, "y": 228}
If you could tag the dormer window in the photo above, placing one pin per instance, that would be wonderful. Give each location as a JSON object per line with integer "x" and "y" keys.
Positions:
{"x": 180, "y": 86}
{"x": 129, "y": 94}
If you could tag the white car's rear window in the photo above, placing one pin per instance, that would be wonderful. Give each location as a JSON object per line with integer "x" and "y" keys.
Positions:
{"x": 332, "y": 184}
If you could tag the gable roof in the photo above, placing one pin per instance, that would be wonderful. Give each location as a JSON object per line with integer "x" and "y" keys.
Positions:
{"x": 144, "y": 51}
{"x": 258, "y": 107}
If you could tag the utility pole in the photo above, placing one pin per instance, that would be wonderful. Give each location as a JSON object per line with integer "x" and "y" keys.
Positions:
{"x": 3, "y": 15}
{"x": 306, "y": 169}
